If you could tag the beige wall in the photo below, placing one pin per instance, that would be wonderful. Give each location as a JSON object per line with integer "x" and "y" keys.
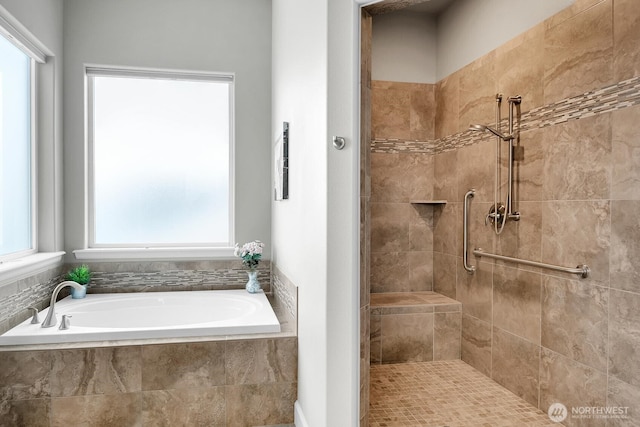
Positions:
{"x": 548, "y": 337}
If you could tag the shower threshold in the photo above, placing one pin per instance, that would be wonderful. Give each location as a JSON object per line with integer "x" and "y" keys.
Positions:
{"x": 445, "y": 393}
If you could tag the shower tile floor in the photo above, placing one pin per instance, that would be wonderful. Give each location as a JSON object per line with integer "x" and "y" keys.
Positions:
{"x": 445, "y": 393}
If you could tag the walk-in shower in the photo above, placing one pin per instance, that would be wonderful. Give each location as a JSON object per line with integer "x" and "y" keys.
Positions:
{"x": 501, "y": 212}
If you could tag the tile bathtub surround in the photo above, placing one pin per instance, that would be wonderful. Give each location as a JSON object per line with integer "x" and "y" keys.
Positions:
{"x": 207, "y": 383}
{"x": 567, "y": 339}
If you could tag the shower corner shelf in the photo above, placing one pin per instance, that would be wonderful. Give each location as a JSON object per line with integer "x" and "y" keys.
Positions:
{"x": 428, "y": 202}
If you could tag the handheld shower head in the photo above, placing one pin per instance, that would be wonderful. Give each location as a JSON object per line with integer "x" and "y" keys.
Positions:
{"x": 482, "y": 128}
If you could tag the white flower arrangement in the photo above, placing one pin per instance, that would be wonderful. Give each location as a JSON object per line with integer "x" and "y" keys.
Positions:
{"x": 251, "y": 253}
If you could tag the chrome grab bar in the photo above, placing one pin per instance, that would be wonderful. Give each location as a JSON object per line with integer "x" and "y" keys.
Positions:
{"x": 465, "y": 233}
{"x": 582, "y": 270}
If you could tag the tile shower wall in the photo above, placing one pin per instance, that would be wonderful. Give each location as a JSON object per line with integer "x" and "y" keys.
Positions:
{"x": 548, "y": 337}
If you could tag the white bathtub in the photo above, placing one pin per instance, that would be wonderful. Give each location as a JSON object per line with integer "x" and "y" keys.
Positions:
{"x": 106, "y": 317}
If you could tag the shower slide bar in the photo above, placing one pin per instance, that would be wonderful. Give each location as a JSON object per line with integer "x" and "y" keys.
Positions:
{"x": 582, "y": 270}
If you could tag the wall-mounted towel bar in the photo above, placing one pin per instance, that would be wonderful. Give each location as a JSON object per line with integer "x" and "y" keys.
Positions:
{"x": 582, "y": 270}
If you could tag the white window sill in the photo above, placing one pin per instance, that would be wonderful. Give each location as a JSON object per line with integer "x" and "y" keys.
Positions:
{"x": 147, "y": 254}
{"x": 20, "y": 268}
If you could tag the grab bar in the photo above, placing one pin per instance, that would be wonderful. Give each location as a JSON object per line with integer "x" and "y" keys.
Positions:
{"x": 465, "y": 233}
{"x": 582, "y": 270}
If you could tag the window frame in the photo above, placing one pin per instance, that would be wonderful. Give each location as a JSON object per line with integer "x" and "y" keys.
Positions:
{"x": 145, "y": 251}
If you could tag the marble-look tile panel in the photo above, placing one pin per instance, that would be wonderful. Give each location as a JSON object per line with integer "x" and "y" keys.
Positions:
{"x": 625, "y": 245}
{"x": 387, "y": 183}
{"x": 422, "y": 112}
{"x": 515, "y": 363}
{"x": 407, "y": 337}
{"x": 365, "y": 358}
{"x": 577, "y": 232}
{"x": 624, "y": 336}
{"x": 529, "y": 237}
{"x": 574, "y": 320}
{"x": 444, "y": 274}
{"x": 25, "y": 375}
{"x": 528, "y": 172}
{"x": 476, "y": 344}
{"x": 96, "y": 371}
{"x": 581, "y": 149}
{"x": 474, "y": 291}
{"x": 420, "y": 271}
{"x": 421, "y": 227}
{"x": 623, "y": 395}
{"x": 478, "y": 88}
{"x": 123, "y": 409}
{"x": 390, "y": 227}
{"x": 27, "y": 413}
{"x": 521, "y": 68}
{"x": 179, "y": 366}
{"x": 188, "y": 407}
{"x": 445, "y": 181}
{"x": 365, "y": 252}
{"x": 573, "y": 384}
{"x": 260, "y": 405}
{"x": 479, "y": 162}
{"x": 578, "y": 54}
{"x": 390, "y": 105}
{"x": 446, "y": 336}
{"x": 625, "y": 179}
{"x": 445, "y": 228}
{"x": 516, "y": 302}
{"x": 447, "y": 105}
{"x": 626, "y": 39}
{"x": 389, "y": 272}
{"x": 375, "y": 336}
{"x": 261, "y": 361}
{"x": 482, "y": 235}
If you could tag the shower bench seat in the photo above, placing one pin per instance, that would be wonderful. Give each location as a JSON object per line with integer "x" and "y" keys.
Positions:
{"x": 414, "y": 327}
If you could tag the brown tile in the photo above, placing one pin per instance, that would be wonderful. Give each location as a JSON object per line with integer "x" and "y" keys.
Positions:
{"x": 390, "y": 111}
{"x": 476, "y": 344}
{"x": 624, "y": 341}
{"x": 446, "y": 336}
{"x": 96, "y": 371}
{"x": 522, "y": 69}
{"x": 365, "y": 251}
{"x": 407, "y": 337}
{"x": 515, "y": 363}
{"x": 445, "y": 228}
{"x": 479, "y": 162}
{"x": 25, "y": 375}
{"x": 577, "y": 159}
{"x": 623, "y": 395}
{"x": 447, "y": 105}
{"x": 261, "y": 361}
{"x": 474, "y": 291}
{"x": 375, "y": 339}
{"x": 97, "y": 410}
{"x": 529, "y": 237}
{"x": 420, "y": 271}
{"x": 573, "y": 384}
{"x": 445, "y": 176}
{"x": 421, "y": 227}
{"x": 418, "y": 175}
{"x": 390, "y": 227}
{"x": 365, "y": 358}
{"x": 516, "y": 302}
{"x": 528, "y": 172}
{"x": 625, "y": 245}
{"x": 387, "y": 184}
{"x": 194, "y": 407}
{"x": 566, "y": 329}
{"x": 578, "y": 54}
{"x": 389, "y": 272}
{"x": 626, "y": 38}
{"x": 444, "y": 274}
{"x": 366, "y": 37}
{"x": 258, "y": 405}
{"x": 478, "y": 88}
{"x": 31, "y": 413}
{"x": 177, "y": 366}
{"x": 577, "y": 232}
{"x": 625, "y": 180}
{"x": 422, "y": 111}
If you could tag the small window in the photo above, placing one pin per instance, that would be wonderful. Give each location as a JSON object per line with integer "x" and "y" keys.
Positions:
{"x": 17, "y": 218}
{"x": 160, "y": 158}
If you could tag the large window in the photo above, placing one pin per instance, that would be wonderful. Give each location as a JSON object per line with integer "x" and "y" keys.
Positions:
{"x": 160, "y": 158}
{"x": 17, "y": 222}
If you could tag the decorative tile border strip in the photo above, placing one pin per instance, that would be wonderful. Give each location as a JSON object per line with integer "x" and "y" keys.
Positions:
{"x": 284, "y": 291}
{"x": 609, "y": 98}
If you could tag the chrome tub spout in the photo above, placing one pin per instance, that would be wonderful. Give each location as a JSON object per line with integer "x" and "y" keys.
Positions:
{"x": 51, "y": 320}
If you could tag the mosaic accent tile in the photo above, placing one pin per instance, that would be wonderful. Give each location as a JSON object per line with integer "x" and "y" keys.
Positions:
{"x": 445, "y": 393}
{"x": 606, "y": 99}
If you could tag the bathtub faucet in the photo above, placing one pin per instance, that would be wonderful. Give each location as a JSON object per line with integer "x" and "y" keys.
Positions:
{"x": 51, "y": 315}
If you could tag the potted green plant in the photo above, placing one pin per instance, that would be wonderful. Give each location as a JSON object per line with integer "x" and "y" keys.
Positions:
{"x": 82, "y": 276}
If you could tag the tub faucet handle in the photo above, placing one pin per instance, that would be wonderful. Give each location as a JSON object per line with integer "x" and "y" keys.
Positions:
{"x": 66, "y": 323}
{"x": 34, "y": 319}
